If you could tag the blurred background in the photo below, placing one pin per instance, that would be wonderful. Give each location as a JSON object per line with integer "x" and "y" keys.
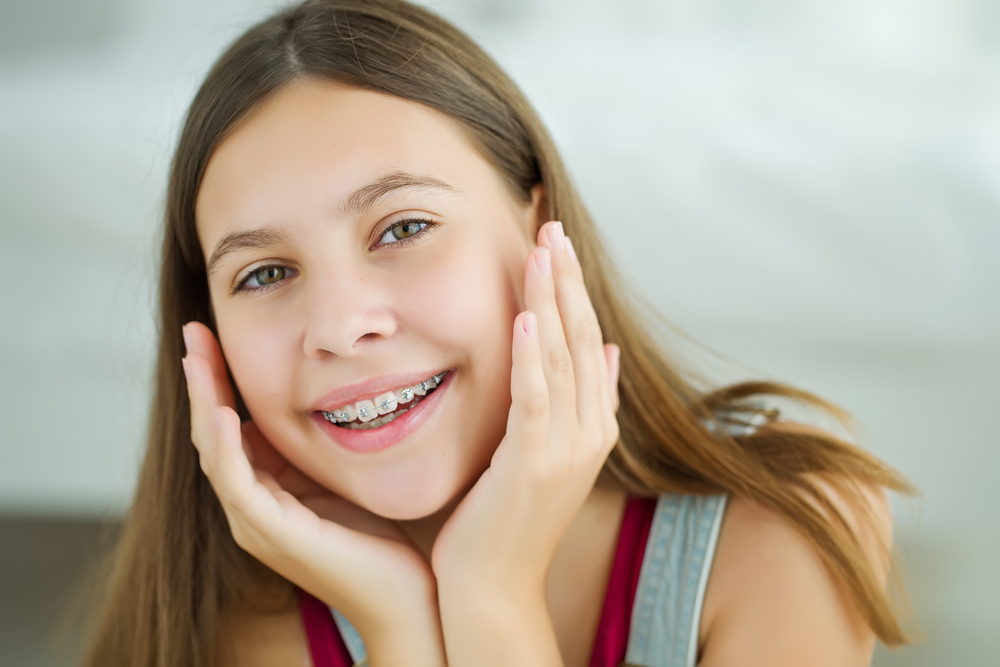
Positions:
{"x": 809, "y": 188}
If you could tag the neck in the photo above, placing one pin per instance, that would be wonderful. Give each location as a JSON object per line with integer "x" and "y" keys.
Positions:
{"x": 424, "y": 531}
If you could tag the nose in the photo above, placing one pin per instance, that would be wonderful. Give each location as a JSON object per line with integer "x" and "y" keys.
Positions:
{"x": 345, "y": 315}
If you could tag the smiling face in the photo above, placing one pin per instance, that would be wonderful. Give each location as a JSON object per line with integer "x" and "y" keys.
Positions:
{"x": 357, "y": 242}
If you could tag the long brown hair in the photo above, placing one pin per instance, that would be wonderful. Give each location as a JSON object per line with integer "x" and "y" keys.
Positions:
{"x": 176, "y": 567}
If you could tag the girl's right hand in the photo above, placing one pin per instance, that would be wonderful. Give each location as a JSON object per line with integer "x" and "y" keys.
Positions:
{"x": 361, "y": 564}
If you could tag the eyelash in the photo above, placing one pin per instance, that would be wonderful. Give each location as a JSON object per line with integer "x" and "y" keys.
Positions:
{"x": 399, "y": 223}
{"x": 242, "y": 285}
{"x": 428, "y": 224}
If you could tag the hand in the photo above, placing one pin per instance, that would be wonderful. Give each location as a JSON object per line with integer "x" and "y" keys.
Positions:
{"x": 360, "y": 563}
{"x": 500, "y": 540}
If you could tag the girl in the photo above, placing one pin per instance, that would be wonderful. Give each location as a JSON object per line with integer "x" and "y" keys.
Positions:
{"x": 404, "y": 412}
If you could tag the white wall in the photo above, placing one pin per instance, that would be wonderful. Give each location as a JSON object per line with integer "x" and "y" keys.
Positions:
{"x": 809, "y": 188}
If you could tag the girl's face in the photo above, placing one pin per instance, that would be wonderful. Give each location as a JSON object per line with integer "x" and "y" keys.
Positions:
{"x": 322, "y": 300}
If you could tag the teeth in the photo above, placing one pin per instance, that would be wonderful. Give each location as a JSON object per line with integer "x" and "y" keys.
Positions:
{"x": 385, "y": 403}
{"x": 375, "y": 423}
{"x": 378, "y": 411}
{"x": 347, "y": 413}
{"x": 366, "y": 411}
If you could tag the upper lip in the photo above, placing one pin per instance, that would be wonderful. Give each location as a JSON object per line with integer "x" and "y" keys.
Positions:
{"x": 369, "y": 389}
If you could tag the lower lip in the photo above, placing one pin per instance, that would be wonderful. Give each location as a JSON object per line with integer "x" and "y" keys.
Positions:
{"x": 383, "y": 437}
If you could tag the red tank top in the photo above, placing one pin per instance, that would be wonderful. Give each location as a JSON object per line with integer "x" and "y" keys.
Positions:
{"x": 328, "y": 649}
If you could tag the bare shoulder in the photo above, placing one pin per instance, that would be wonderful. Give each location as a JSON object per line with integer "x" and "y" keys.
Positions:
{"x": 772, "y": 600}
{"x": 264, "y": 640}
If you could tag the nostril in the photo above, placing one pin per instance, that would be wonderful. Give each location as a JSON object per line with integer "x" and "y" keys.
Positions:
{"x": 367, "y": 338}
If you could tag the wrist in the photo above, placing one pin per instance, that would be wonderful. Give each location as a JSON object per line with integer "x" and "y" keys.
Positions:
{"x": 499, "y": 627}
{"x": 411, "y": 635}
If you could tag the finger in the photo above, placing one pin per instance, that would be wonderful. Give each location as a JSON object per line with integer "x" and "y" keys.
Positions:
{"x": 209, "y": 429}
{"x": 250, "y": 498}
{"x": 557, "y": 363}
{"x": 528, "y": 422}
{"x": 235, "y": 480}
{"x": 200, "y": 340}
{"x": 581, "y": 330}
{"x": 613, "y": 353}
{"x": 203, "y": 403}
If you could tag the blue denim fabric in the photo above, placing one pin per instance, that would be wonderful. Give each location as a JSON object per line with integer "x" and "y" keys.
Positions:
{"x": 355, "y": 645}
{"x": 675, "y": 567}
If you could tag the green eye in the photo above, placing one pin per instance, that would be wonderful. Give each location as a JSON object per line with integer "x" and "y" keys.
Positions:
{"x": 403, "y": 231}
{"x": 407, "y": 229}
{"x": 264, "y": 277}
{"x": 268, "y": 275}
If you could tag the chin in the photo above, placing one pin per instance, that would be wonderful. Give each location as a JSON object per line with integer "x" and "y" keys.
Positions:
{"x": 418, "y": 497}
{"x": 404, "y": 507}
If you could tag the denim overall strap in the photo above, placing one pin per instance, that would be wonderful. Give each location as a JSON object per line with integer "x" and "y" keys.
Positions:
{"x": 672, "y": 581}
{"x": 352, "y": 639}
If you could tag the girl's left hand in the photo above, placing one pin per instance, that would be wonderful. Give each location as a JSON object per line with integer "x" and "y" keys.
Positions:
{"x": 499, "y": 542}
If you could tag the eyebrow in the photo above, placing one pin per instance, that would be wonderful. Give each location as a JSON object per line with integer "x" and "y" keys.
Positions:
{"x": 365, "y": 197}
{"x": 254, "y": 238}
{"x": 353, "y": 205}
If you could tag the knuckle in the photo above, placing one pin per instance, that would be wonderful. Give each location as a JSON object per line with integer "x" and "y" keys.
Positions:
{"x": 197, "y": 448}
{"x": 246, "y": 539}
{"x": 563, "y": 269}
{"x": 560, "y": 360}
{"x": 612, "y": 434}
{"x": 586, "y": 334}
{"x": 530, "y": 361}
{"x": 226, "y": 500}
{"x": 239, "y": 536}
{"x": 536, "y": 407}
{"x": 547, "y": 290}
{"x": 232, "y": 501}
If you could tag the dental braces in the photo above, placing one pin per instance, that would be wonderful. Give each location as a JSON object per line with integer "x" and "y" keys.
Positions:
{"x": 366, "y": 410}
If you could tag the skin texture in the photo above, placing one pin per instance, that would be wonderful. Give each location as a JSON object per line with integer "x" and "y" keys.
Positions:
{"x": 485, "y": 524}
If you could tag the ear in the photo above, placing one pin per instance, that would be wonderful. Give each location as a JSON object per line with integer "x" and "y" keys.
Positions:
{"x": 537, "y": 213}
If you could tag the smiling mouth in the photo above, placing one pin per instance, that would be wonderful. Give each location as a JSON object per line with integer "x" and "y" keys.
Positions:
{"x": 383, "y": 409}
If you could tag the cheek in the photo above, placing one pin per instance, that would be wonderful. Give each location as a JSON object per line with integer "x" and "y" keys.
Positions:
{"x": 468, "y": 297}
{"x": 262, "y": 378}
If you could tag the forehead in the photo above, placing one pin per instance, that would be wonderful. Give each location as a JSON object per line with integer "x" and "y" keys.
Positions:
{"x": 314, "y": 141}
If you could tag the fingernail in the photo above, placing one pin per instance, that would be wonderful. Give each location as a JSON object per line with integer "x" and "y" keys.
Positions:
{"x": 556, "y": 236}
{"x": 187, "y": 338}
{"x": 187, "y": 369}
{"x": 572, "y": 252}
{"x": 529, "y": 323}
{"x": 218, "y": 419}
{"x": 543, "y": 260}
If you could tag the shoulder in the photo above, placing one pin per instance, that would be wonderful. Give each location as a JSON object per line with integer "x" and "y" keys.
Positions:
{"x": 250, "y": 639}
{"x": 772, "y": 600}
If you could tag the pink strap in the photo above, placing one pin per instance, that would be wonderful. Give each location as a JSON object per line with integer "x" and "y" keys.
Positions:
{"x": 616, "y": 616}
{"x": 326, "y": 646}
